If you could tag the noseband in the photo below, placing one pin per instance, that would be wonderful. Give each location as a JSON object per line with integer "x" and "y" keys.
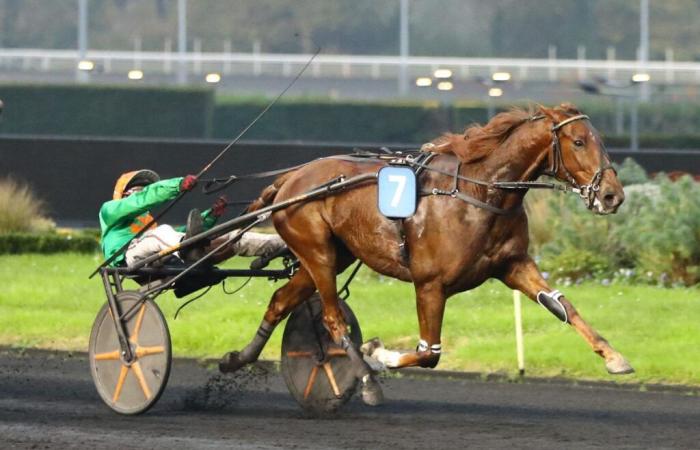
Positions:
{"x": 586, "y": 191}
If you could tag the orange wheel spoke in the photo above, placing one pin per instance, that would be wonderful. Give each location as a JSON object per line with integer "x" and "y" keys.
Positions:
{"x": 139, "y": 321}
{"x": 108, "y": 356}
{"x": 299, "y": 354}
{"x": 142, "y": 380}
{"x": 310, "y": 383}
{"x": 145, "y": 351}
{"x": 120, "y": 383}
{"x": 331, "y": 377}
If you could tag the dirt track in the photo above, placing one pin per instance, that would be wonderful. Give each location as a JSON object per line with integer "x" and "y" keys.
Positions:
{"x": 47, "y": 400}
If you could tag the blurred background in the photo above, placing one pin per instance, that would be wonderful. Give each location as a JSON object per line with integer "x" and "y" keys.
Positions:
{"x": 92, "y": 88}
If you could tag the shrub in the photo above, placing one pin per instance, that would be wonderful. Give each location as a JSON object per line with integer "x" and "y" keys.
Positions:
{"x": 655, "y": 236}
{"x": 630, "y": 172}
{"x": 20, "y": 209}
{"x": 661, "y": 230}
{"x": 16, "y": 243}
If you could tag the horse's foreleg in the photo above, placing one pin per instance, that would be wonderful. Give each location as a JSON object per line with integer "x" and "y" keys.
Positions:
{"x": 524, "y": 276}
{"x": 430, "y": 304}
{"x": 282, "y": 303}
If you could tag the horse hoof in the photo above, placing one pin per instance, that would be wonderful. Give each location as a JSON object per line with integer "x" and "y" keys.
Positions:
{"x": 369, "y": 347}
{"x": 372, "y": 394}
{"x": 618, "y": 365}
{"x": 230, "y": 363}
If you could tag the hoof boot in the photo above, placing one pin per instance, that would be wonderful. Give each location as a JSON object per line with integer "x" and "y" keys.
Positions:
{"x": 230, "y": 363}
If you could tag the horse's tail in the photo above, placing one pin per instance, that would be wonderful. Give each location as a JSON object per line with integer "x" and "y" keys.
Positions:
{"x": 267, "y": 196}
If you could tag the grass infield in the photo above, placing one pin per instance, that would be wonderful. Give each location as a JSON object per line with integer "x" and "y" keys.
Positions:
{"x": 48, "y": 302}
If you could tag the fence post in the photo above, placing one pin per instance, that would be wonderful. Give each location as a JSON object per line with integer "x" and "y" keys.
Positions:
{"x": 517, "y": 306}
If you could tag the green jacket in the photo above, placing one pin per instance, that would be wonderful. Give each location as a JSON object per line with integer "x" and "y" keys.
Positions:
{"x": 122, "y": 219}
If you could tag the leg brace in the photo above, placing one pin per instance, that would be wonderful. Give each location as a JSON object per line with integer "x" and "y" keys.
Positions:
{"x": 550, "y": 300}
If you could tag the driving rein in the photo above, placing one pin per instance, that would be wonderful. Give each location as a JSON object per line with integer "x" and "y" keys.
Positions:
{"x": 421, "y": 161}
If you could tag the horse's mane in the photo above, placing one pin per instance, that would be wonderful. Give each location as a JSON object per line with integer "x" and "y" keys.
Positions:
{"x": 480, "y": 140}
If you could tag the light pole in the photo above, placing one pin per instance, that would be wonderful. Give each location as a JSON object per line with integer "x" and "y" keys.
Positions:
{"x": 182, "y": 41}
{"x": 403, "y": 44}
{"x": 82, "y": 72}
{"x": 644, "y": 92}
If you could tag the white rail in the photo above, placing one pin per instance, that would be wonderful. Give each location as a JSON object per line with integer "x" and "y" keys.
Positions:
{"x": 349, "y": 66}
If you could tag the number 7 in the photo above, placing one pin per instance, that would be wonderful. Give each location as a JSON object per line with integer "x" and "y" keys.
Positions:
{"x": 400, "y": 180}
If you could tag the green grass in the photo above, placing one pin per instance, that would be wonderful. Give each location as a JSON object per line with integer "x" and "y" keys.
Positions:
{"x": 48, "y": 302}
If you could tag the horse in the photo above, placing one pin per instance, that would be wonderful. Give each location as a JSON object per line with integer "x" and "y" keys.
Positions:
{"x": 470, "y": 225}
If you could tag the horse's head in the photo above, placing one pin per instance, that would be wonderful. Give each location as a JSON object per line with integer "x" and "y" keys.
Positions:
{"x": 578, "y": 156}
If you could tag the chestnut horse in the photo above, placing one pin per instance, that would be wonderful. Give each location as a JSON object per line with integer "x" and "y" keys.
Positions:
{"x": 455, "y": 242}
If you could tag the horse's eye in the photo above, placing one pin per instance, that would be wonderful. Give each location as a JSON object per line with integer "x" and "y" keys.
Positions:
{"x": 578, "y": 143}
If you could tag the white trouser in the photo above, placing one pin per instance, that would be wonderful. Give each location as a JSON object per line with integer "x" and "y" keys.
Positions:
{"x": 152, "y": 242}
{"x": 256, "y": 244}
{"x": 165, "y": 236}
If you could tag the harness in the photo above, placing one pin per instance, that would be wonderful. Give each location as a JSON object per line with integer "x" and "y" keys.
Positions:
{"x": 420, "y": 161}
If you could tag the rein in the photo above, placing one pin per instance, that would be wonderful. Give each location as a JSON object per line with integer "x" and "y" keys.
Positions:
{"x": 421, "y": 162}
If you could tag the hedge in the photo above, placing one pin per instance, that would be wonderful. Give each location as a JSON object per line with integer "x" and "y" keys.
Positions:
{"x": 15, "y": 243}
{"x": 193, "y": 112}
{"x": 106, "y": 110}
{"x": 331, "y": 121}
{"x": 661, "y": 125}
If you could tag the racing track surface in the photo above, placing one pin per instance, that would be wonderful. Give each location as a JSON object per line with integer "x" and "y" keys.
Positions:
{"x": 47, "y": 400}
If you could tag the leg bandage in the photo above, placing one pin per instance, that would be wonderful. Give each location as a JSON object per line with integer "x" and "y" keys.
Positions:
{"x": 551, "y": 302}
{"x": 424, "y": 347}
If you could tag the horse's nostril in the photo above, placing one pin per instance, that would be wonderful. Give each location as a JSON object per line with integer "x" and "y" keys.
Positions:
{"x": 611, "y": 200}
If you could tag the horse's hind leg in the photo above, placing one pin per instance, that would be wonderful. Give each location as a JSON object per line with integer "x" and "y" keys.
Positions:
{"x": 321, "y": 259}
{"x": 524, "y": 276}
{"x": 282, "y": 303}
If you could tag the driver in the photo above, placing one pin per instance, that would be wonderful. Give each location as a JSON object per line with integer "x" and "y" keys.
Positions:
{"x": 137, "y": 192}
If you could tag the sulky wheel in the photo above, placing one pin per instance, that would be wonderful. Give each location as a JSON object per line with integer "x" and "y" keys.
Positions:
{"x": 318, "y": 373}
{"x": 130, "y": 388}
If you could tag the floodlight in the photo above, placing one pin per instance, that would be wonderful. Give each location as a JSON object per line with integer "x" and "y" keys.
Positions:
{"x": 495, "y": 92}
{"x": 640, "y": 78}
{"x": 213, "y": 78}
{"x": 442, "y": 73}
{"x": 86, "y": 65}
{"x": 445, "y": 86}
{"x": 135, "y": 74}
{"x": 500, "y": 76}
{"x": 424, "y": 82}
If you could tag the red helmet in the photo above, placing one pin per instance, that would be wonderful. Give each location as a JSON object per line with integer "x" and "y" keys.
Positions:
{"x": 142, "y": 177}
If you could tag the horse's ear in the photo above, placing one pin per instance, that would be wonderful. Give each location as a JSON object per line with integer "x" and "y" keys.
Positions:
{"x": 569, "y": 108}
{"x": 459, "y": 146}
{"x": 441, "y": 144}
{"x": 549, "y": 112}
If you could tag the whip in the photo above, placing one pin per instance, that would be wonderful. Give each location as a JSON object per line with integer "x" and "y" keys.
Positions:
{"x": 208, "y": 166}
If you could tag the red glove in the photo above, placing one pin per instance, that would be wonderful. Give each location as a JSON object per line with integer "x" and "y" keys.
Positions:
{"x": 188, "y": 183}
{"x": 219, "y": 206}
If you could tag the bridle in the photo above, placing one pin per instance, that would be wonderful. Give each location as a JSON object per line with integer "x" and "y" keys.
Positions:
{"x": 586, "y": 191}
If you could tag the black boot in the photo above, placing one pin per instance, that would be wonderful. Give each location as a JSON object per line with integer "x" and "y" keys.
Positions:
{"x": 195, "y": 226}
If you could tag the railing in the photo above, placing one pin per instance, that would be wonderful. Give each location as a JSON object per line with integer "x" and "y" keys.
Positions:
{"x": 344, "y": 66}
